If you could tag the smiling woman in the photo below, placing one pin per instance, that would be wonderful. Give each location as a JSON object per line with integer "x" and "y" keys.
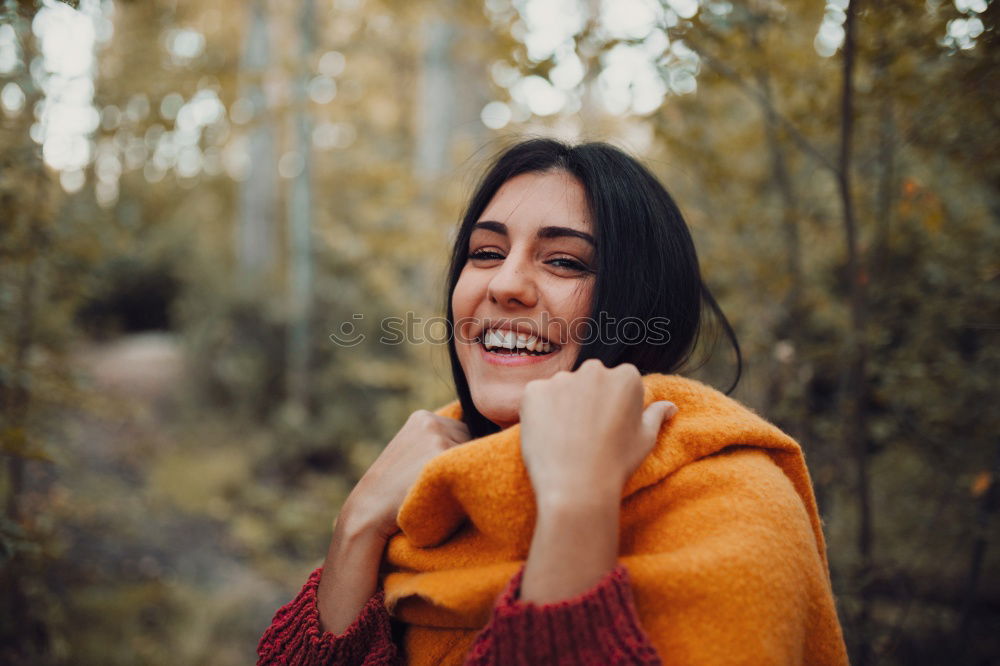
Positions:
{"x": 600, "y": 508}
{"x": 590, "y": 238}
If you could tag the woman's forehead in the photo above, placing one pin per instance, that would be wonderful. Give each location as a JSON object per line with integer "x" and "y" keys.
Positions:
{"x": 540, "y": 199}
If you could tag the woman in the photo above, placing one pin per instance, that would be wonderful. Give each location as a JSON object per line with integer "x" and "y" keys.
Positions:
{"x": 577, "y": 503}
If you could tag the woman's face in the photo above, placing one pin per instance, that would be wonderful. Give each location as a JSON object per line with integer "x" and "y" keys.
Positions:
{"x": 529, "y": 275}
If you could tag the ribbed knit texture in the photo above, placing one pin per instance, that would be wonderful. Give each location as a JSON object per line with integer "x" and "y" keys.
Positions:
{"x": 599, "y": 627}
{"x": 295, "y": 637}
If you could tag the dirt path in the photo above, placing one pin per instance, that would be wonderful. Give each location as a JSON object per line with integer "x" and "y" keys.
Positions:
{"x": 137, "y": 563}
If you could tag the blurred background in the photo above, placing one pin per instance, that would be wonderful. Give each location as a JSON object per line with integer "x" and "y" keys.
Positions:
{"x": 195, "y": 195}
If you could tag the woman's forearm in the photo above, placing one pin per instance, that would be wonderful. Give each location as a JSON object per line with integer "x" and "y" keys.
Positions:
{"x": 368, "y": 517}
{"x": 574, "y": 545}
{"x": 350, "y": 572}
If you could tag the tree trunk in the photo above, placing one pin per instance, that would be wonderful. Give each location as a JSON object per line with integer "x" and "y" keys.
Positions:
{"x": 887, "y": 165}
{"x": 789, "y": 327}
{"x": 436, "y": 100}
{"x": 255, "y": 236}
{"x": 300, "y": 224}
{"x": 853, "y": 385}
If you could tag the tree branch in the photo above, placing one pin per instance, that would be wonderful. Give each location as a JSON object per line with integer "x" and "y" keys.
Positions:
{"x": 763, "y": 99}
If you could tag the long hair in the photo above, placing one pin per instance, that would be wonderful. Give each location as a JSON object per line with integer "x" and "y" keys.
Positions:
{"x": 645, "y": 261}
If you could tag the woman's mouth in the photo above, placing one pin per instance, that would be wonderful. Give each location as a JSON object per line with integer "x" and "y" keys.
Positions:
{"x": 509, "y": 343}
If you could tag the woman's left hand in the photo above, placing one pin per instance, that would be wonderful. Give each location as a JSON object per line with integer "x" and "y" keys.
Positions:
{"x": 583, "y": 433}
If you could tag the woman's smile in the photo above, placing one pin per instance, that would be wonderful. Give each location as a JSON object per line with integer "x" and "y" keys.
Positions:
{"x": 527, "y": 278}
{"x": 508, "y": 347}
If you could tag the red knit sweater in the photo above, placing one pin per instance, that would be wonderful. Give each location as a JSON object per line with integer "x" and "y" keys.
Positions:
{"x": 598, "y": 627}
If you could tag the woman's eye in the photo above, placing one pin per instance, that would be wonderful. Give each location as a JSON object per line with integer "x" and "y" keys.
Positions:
{"x": 564, "y": 263}
{"x": 572, "y": 264}
{"x": 485, "y": 254}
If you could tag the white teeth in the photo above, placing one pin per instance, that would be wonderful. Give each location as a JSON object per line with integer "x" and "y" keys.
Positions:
{"x": 519, "y": 343}
{"x": 489, "y": 340}
{"x": 494, "y": 339}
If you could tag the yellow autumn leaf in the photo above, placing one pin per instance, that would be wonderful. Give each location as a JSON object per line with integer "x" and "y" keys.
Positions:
{"x": 981, "y": 483}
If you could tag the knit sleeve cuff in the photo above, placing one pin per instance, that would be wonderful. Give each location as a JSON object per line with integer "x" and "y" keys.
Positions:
{"x": 295, "y": 635}
{"x": 598, "y": 626}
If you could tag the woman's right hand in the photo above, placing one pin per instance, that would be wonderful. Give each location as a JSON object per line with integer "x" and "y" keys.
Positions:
{"x": 375, "y": 500}
{"x": 368, "y": 517}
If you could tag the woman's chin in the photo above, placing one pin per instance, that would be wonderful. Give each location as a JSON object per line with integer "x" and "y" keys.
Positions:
{"x": 504, "y": 413}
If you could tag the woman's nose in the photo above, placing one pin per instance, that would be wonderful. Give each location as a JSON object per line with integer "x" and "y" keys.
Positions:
{"x": 513, "y": 284}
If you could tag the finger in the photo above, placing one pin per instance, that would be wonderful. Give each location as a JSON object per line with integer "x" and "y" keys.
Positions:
{"x": 456, "y": 430}
{"x": 627, "y": 369}
{"x": 654, "y": 416}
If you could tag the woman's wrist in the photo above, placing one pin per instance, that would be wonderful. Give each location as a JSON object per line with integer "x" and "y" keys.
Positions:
{"x": 359, "y": 516}
{"x": 580, "y": 493}
{"x": 350, "y": 573}
{"x": 582, "y": 531}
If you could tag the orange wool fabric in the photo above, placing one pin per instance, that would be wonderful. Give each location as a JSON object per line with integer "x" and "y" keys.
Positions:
{"x": 719, "y": 533}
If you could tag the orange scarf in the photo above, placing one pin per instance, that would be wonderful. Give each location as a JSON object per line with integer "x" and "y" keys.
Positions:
{"x": 719, "y": 533}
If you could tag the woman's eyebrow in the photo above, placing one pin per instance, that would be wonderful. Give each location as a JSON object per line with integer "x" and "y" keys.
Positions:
{"x": 490, "y": 225}
{"x": 544, "y": 232}
{"x": 560, "y": 232}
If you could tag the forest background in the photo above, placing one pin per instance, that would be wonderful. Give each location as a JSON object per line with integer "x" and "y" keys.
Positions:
{"x": 195, "y": 195}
